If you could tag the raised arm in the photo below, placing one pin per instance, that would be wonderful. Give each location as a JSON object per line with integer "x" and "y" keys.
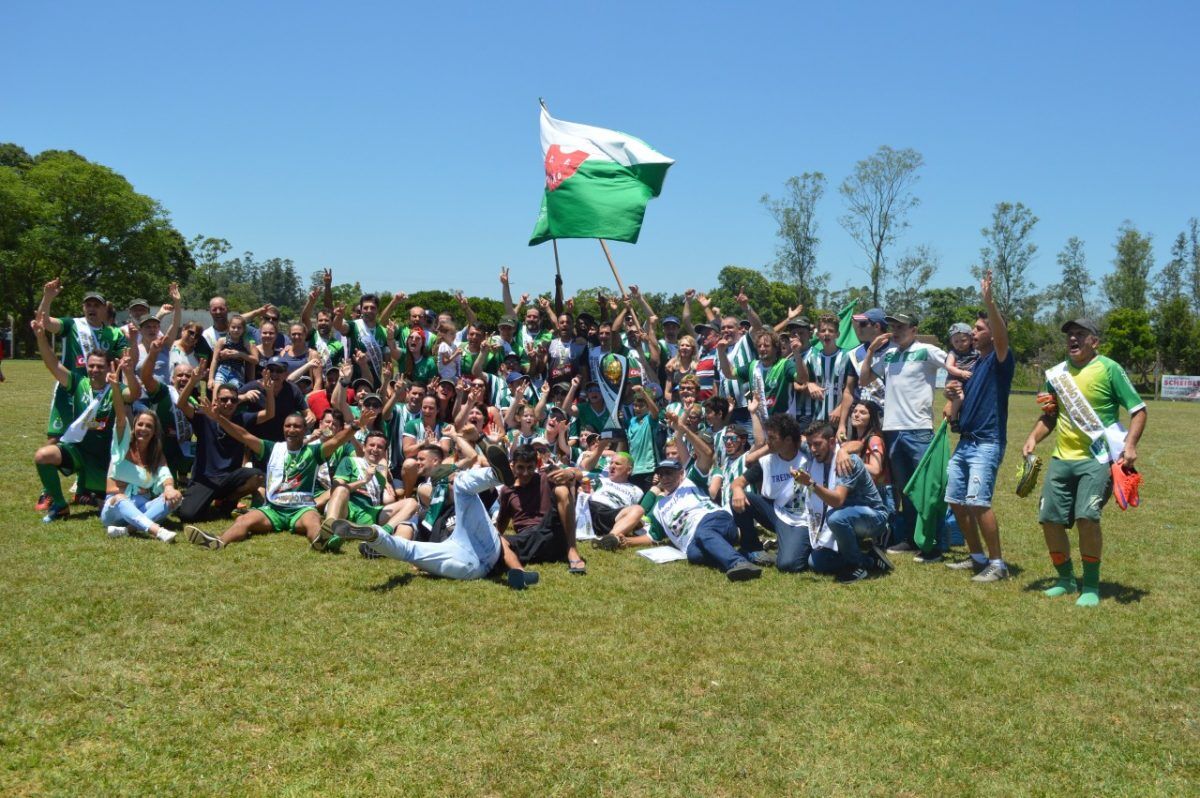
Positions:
{"x": 704, "y": 452}
{"x": 146, "y": 372}
{"x": 995, "y": 320}
{"x": 723, "y": 359}
{"x": 310, "y": 305}
{"x": 468, "y": 313}
{"x": 866, "y": 375}
{"x": 182, "y": 402}
{"x": 506, "y": 292}
{"x": 176, "y": 312}
{"x": 49, "y": 291}
{"x": 792, "y": 313}
{"x": 339, "y": 320}
{"x": 49, "y": 360}
{"x": 548, "y": 308}
{"x": 113, "y": 378}
{"x": 391, "y": 306}
{"x": 744, "y": 303}
{"x": 685, "y": 318}
{"x": 346, "y": 433}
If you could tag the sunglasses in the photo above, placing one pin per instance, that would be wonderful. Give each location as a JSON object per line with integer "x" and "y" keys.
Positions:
{"x": 227, "y": 400}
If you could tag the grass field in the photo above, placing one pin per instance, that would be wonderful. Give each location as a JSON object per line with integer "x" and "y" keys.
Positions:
{"x": 128, "y": 667}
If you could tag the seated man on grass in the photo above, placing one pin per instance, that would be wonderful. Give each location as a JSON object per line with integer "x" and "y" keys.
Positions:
{"x": 361, "y": 491}
{"x": 291, "y": 478}
{"x": 473, "y": 549}
{"x": 541, "y": 508}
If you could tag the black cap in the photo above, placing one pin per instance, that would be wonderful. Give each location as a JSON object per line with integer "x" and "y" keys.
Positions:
{"x": 904, "y": 319}
{"x": 368, "y": 397}
{"x": 363, "y": 381}
{"x": 509, "y": 321}
{"x": 96, "y": 295}
{"x": 585, "y": 316}
{"x": 668, "y": 465}
{"x": 799, "y": 321}
{"x": 138, "y": 301}
{"x": 149, "y": 317}
{"x": 1084, "y": 323}
{"x": 275, "y": 362}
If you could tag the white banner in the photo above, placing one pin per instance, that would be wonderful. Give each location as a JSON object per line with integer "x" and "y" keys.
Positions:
{"x": 1180, "y": 387}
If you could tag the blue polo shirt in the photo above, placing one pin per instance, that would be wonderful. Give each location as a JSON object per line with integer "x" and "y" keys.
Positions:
{"x": 984, "y": 414}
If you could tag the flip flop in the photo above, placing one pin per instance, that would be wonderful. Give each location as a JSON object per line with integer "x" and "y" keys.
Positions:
{"x": 577, "y": 567}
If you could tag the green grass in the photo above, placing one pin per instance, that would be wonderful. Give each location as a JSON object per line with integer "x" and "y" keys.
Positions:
{"x": 131, "y": 667}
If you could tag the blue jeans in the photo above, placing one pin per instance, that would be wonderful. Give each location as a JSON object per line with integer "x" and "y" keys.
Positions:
{"x": 849, "y": 525}
{"x": 794, "y": 546}
{"x": 905, "y": 448}
{"x": 713, "y": 543}
{"x": 971, "y": 476}
{"x": 138, "y": 511}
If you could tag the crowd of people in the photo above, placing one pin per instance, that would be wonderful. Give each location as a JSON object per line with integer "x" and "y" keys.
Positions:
{"x": 471, "y": 452}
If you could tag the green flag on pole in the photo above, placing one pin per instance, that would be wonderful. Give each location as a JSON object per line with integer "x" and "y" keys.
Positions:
{"x": 927, "y": 489}
{"x": 846, "y": 338}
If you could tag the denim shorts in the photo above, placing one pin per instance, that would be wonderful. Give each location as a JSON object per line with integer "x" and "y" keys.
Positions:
{"x": 971, "y": 475}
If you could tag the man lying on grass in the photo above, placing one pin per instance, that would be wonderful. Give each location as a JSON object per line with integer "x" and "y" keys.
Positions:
{"x": 291, "y": 476}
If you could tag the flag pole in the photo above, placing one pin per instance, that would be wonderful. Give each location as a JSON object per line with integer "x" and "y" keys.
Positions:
{"x": 611, "y": 265}
{"x": 558, "y": 283}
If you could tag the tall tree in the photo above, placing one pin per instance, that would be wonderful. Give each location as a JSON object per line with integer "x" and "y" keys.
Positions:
{"x": 911, "y": 275}
{"x": 796, "y": 255}
{"x": 878, "y": 197}
{"x": 1073, "y": 292}
{"x": 1007, "y": 254}
{"x": 1126, "y": 287}
{"x": 64, "y": 216}
{"x": 1129, "y": 340}
{"x": 1170, "y": 283}
{"x": 1194, "y": 260}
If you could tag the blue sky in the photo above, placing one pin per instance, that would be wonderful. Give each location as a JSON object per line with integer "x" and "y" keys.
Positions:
{"x": 399, "y": 145}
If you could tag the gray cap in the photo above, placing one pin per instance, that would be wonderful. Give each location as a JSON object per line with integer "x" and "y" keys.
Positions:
{"x": 905, "y": 319}
{"x": 1084, "y": 323}
{"x": 668, "y": 465}
{"x": 959, "y": 327}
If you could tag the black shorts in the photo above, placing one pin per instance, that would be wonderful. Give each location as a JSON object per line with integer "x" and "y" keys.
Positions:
{"x": 545, "y": 541}
{"x": 205, "y": 491}
{"x": 604, "y": 518}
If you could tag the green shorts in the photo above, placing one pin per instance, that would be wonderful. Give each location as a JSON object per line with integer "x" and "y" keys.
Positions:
{"x": 62, "y": 412}
{"x": 359, "y": 512}
{"x": 92, "y": 474}
{"x": 1074, "y": 489}
{"x": 284, "y": 519}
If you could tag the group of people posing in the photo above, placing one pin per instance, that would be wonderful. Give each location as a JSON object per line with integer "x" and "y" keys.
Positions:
{"x": 470, "y": 451}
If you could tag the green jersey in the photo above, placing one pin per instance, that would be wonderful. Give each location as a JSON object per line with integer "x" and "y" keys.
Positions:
{"x": 415, "y": 429}
{"x": 332, "y": 350}
{"x": 291, "y": 475}
{"x": 424, "y": 371}
{"x": 590, "y": 418}
{"x": 438, "y": 493}
{"x": 773, "y": 382}
{"x": 80, "y": 339}
{"x": 641, "y": 433}
{"x": 97, "y": 428}
{"x": 355, "y": 469}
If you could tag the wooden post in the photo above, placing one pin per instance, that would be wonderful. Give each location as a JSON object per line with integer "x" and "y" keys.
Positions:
{"x": 612, "y": 265}
{"x": 558, "y": 283}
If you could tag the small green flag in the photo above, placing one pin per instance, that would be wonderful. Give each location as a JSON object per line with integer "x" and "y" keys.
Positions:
{"x": 926, "y": 489}
{"x": 846, "y": 338}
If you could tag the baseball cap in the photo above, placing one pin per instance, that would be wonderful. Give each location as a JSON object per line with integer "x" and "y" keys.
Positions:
{"x": 1085, "y": 323}
{"x": 905, "y": 319}
{"x": 800, "y": 321}
{"x": 142, "y": 322}
{"x": 540, "y": 440}
{"x": 671, "y": 320}
{"x": 370, "y": 397}
{"x": 96, "y": 295}
{"x": 702, "y": 327}
{"x": 585, "y": 316}
{"x": 513, "y": 376}
{"x": 274, "y": 363}
{"x": 957, "y": 328}
{"x": 507, "y": 321}
{"x": 745, "y": 324}
{"x": 138, "y": 302}
{"x": 668, "y": 465}
{"x": 362, "y": 381}
{"x": 874, "y": 315}
{"x": 557, "y": 411}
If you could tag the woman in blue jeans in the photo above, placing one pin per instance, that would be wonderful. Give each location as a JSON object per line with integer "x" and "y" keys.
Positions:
{"x": 141, "y": 491}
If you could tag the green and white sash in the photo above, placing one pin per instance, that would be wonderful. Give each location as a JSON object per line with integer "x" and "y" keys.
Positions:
{"x": 1108, "y": 442}
{"x": 80, "y": 426}
{"x": 279, "y": 491}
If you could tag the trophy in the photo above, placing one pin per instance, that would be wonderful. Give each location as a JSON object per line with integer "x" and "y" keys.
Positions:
{"x": 613, "y": 369}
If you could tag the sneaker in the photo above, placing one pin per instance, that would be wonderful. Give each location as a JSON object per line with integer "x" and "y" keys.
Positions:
{"x": 849, "y": 577}
{"x": 743, "y": 571}
{"x": 117, "y": 531}
{"x": 763, "y": 559}
{"x": 967, "y": 564}
{"x": 166, "y": 536}
{"x": 348, "y": 531}
{"x": 882, "y": 563}
{"x": 903, "y": 547}
{"x": 993, "y": 572}
{"x": 519, "y": 580}
{"x": 609, "y": 542}
{"x": 57, "y": 512}
{"x": 321, "y": 541}
{"x": 198, "y": 537}
{"x": 927, "y": 557}
{"x": 442, "y": 471}
{"x": 368, "y": 553}
{"x": 1125, "y": 483}
{"x": 87, "y": 498}
{"x": 498, "y": 459}
{"x": 43, "y": 503}
{"x": 770, "y": 545}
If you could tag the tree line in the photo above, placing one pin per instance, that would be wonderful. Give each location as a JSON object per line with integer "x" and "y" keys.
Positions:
{"x": 62, "y": 215}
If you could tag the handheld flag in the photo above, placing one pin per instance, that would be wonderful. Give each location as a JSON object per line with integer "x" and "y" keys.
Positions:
{"x": 598, "y": 182}
{"x": 926, "y": 489}
{"x": 846, "y": 338}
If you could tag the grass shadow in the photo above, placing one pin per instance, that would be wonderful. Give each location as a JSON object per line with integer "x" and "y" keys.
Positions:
{"x": 393, "y": 582}
{"x": 1120, "y": 593}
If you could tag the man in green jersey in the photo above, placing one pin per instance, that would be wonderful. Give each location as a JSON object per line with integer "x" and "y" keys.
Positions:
{"x": 85, "y": 446}
{"x": 362, "y": 490}
{"x": 771, "y": 377}
{"x": 291, "y": 477}
{"x": 1082, "y": 403}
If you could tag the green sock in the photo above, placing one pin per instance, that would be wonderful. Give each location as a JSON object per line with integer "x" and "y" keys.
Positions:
{"x": 1090, "y": 596}
{"x": 1065, "y": 582}
{"x": 48, "y": 474}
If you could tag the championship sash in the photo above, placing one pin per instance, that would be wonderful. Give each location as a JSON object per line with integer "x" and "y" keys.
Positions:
{"x": 322, "y": 346}
{"x": 278, "y": 492}
{"x": 183, "y": 427}
{"x": 80, "y": 426}
{"x": 613, "y": 368}
{"x": 1108, "y": 442}
{"x": 85, "y": 336}
{"x": 370, "y": 345}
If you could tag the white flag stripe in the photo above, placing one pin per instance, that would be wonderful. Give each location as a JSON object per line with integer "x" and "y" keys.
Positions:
{"x": 597, "y": 142}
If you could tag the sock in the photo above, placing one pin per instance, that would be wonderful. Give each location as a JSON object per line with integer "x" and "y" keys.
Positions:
{"x": 50, "y": 483}
{"x": 999, "y": 561}
{"x": 979, "y": 558}
{"x": 388, "y": 529}
{"x": 1066, "y": 575}
{"x": 1090, "y": 595}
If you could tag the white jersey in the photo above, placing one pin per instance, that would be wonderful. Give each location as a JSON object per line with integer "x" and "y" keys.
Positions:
{"x": 680, "y": 512}
{"x": 616, "y": 495}
{"x": 908, "y": 378}
{"x": 782, "y": 489}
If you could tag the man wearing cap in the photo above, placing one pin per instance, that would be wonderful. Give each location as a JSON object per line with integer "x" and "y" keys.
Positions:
{"x": 289, "y": 399}
{"x": 149, "y": 329}
{"x": 867, "y": 327}
{"x": 80, "y": 337}
{"x": 707, "y": 338}
{"x": 983, "y": 434}
{"x": 689, "y": 519}
{"x": 1082, "y": 401}
{"x": 741, "y": 352}
{"x": 908, "y": 369}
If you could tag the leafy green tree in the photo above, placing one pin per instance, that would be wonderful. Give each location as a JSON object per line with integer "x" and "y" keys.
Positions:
{"x": 943, "y": 307}
{"x": 64, "y": 216}
{"x": 1194, "y": 262}
{"x": 1073, "y": 292}
{"x": 878, "y": 197}
{"x": 771, "y": 299}
{"x": 1007, "y": 254}
{"x": 1175, "y": 331}
{"x": 910, "y": 276}
{"x": 1129, "y": 339}
{"x": 796, "y": 255}
{"x": 1127, "y": 285}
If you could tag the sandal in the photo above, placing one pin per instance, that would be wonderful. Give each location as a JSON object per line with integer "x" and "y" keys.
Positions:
{"x": 577, "y": 567}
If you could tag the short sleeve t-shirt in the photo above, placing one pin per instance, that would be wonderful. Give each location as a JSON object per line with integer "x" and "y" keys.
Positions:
{"x": 415, "y": 429}
{"x": 776, "y": 383}
{"x": 781, "y": 488}
{"x": 79, "y": 339}
{"x": 217, "y": 452}
{"x": 641, "y": 434}
{"x": 984, "y": 413}
{"x": 908, "y": 379}
{"x": 1106, "y": 386}
{"x": 354, "y": 469}
{"x": 616, "y": 495}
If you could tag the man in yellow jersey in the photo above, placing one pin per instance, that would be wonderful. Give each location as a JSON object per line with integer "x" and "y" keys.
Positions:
{"x": 1082, "y": 402}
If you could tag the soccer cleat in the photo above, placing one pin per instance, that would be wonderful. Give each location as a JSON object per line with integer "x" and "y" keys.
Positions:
{"x": 117, "y": 531}
{"x": 321, "y": 541}
{"x": 1126, "y": 481}
{"x": 994, "y": 572}
{"x": 968, "y": 564}
{"x": 498, "y": 459}
{"x": 57, "y": 512}
{"x": 852, "y": 576}
{"x": 743, "y": 571}
{"x": 1027, "y": 474}
{"x": 882, "y": 563}
{"x": 348, "y": 531}
{"x": 199, "y": 537}
{"x": 87, "y": 498}
{"x": 43, "y": 503}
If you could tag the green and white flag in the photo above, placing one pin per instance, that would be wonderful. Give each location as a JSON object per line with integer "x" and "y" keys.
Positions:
{"x": 597, "y": 182}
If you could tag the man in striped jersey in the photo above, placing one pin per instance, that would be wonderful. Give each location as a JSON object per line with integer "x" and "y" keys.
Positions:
{"x": 829, "y": 371}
